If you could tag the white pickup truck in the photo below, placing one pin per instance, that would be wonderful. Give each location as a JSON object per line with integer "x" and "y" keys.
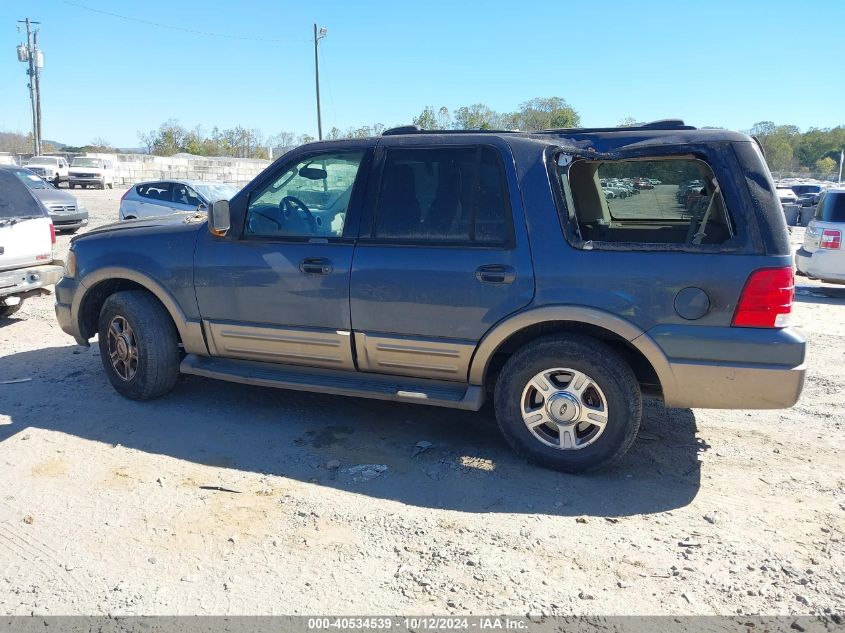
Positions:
{"x": 26, "y": 245}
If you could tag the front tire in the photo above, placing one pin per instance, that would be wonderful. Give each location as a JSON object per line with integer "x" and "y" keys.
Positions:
{"x": 139, "y": 345}
{"x": 569, "y": 403}
{"x": 7, "y": 311}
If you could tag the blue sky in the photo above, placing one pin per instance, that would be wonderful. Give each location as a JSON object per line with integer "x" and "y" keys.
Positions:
{"x": 725, "y": 63}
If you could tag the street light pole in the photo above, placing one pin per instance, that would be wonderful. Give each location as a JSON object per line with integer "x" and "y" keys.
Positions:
{"x": 318, "y": 35}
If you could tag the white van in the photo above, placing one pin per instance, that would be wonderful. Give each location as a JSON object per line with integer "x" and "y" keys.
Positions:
{"x": 96, "y": 172}
{"x": 26, "y": 245}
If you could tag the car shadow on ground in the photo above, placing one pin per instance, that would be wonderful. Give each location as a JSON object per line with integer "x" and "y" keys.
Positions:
{"x": 828, "y": 295}
{"x": 295, "y": 435}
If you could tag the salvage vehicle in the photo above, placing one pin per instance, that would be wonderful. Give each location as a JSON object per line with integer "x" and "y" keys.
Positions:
{"x": 88, "y": 171}
{"x": 163, "y": 197}
{"x": 822, "y": 256}
{"x": 449, "y": 268}
{"x": 52, "y": 168}
{"x": 26, "y": 245}
{"x": 66, "y": 212}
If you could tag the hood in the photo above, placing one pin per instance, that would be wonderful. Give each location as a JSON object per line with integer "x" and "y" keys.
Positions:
{"x": 166, "y": 223}
{"x": 50, "y": 196}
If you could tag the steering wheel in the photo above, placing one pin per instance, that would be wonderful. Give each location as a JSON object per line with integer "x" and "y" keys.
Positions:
{"x": 292, "y": 203}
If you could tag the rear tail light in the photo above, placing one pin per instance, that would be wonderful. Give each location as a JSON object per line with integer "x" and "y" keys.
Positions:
{"x": 125, "y": 193}
{"x": 831, "y": 238}
{"x": 52, "y": 233}
{"x": 766, "y": 299}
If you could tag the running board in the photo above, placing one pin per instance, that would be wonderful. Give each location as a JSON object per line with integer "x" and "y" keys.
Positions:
{"x": 438, "y": 393}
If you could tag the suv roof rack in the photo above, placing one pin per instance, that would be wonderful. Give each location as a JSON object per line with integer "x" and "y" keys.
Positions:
{"x": 416, "y": 129}
{"x": 662, "y": 124}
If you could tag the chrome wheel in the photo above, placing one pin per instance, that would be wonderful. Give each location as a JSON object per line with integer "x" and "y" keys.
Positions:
{"x": 123, "y": 348}
{"x": 564, "y": 408}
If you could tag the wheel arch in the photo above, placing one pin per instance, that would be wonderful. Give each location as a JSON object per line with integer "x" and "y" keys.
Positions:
{"x": 102, "y": 283}
{"x": 647, "y": 360}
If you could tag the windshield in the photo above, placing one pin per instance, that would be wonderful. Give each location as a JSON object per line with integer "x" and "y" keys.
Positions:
{"x": 86, "y": 162}
{"x": 42, "y": 160}
{"x": 216, "y": 191}
{"x": 31, "y": 180}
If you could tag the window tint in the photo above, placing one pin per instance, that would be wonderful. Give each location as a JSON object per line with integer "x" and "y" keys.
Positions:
{"x": 310, "y": 198}
{"x": 655, "y": 201}
{"x": 155, "y": 191}
{"x": 831, "y": 207}
{"x": 446, "y": 194}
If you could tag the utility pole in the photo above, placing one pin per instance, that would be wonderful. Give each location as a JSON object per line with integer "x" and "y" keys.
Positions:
{"x": 318, "y": 35}
{"x": 35, "y": 61}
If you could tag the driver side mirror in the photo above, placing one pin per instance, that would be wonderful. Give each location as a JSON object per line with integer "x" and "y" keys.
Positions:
{"x": 218, "y": 218}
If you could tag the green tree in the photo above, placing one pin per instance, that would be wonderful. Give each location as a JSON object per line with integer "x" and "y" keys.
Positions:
{"x": 826, "y": 165}
{"x": 478, "y": 116}
{"x": 543, "y": 113}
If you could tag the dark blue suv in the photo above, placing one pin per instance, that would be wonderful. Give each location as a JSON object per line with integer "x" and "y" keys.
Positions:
{"x": 449, "y": 268}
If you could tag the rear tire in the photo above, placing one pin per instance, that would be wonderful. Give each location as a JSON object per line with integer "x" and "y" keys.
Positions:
{"x": 7, "y": 311}
{"x": 586, "y": 411}
{"x": 139, "y": 345}
{"x": 71, "y": 186}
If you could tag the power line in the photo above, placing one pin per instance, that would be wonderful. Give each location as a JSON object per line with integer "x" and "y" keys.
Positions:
{"x": 177, "y": 28}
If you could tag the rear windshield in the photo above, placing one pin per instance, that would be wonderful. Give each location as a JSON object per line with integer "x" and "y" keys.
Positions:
{"x": 15, "y": 199}
{"x": 832, "y": 208}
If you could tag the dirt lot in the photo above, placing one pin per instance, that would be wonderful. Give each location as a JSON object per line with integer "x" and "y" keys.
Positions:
{"x": 221, "y": 498}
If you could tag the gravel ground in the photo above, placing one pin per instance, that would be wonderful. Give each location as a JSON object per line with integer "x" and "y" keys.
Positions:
{"x": 227, "y": 499}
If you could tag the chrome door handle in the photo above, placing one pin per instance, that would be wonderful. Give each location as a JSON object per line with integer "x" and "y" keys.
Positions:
{"x": 495, "y": 274}
{"x": 316, "y": 266}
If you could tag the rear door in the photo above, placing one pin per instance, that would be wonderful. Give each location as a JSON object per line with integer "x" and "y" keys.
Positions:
{"x": 441, "y": 257}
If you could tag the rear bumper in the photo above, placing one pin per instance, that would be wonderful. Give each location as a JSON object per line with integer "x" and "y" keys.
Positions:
{"x": 23, "y": 280}
{"x": 824, "y": 264}
{"x": 731, "y": 368}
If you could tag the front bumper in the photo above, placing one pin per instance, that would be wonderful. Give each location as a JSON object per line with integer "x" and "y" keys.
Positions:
{"x": 732, "y": 368}
{"x": 25, "y": 280}
{"x": 66, "y": 221}
{"x": 86, "y": 180}
{"x": 65, "y": 291}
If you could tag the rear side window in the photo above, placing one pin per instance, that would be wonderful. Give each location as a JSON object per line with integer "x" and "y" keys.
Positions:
{"x": 646, "y": 202}
{"x": 155, "y": 191}
{"x": 447, "y": 194}
{"x": 831, "y": 207}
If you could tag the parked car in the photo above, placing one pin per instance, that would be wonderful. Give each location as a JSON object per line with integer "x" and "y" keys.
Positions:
{"x": 90, "y": 171}
{"x": 52, "y": 168}
{"x": 163, "y": 197}
{"x": 617, "y": 190}
{"x": 822, "y": 255}
{"x": 643, "y": 184}
{"x": 66, "y": 212}
{"x": 449, "y": 269}
{"x": 26, "y": 245}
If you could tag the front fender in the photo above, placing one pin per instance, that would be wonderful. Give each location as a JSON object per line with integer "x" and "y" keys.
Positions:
{"x": 190, "y": 330}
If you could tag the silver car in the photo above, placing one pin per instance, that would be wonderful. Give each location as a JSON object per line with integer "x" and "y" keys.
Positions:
{"x": 165, "y": 197}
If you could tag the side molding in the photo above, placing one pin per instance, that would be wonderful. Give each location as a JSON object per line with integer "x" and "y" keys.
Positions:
{"x": 190, "y": 331}
{"x": 577, "y": 314}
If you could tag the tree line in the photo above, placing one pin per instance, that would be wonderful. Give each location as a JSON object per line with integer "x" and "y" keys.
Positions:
{"x": 788, "y": 149}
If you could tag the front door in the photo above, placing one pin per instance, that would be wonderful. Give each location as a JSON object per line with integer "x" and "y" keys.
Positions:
{"x": 440, "y": 260}
{"x": 277, "y": 289}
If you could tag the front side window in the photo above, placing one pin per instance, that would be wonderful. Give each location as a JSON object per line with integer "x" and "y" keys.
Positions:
{"x": 452, "y": 194}
{"x": 183, "y": 194}
{"x": 309, "y": 199}
{"x": 654, "y": 201}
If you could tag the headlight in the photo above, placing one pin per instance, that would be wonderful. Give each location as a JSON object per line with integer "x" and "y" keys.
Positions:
{"x": 80, "y": 206}
{"x": 70, "y": 265}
